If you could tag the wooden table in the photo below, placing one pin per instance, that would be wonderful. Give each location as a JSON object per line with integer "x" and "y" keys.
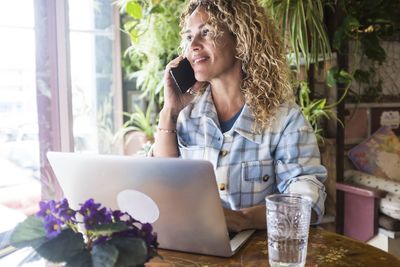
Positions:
{"x": 324, "y": 249}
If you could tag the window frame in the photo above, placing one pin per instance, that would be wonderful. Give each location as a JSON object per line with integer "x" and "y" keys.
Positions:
{"x": 53, "y": 78}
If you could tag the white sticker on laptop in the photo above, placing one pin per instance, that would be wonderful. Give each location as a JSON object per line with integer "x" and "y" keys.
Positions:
{"x": 140, "y": 206}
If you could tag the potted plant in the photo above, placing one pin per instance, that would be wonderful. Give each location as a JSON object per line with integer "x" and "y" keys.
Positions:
{"x": 92, "y": 235}
{"x": 137, "y": 131}
{"x": 303, "y": 29}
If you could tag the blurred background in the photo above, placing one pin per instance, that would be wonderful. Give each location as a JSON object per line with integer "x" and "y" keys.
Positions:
{"x": 86, "y": 76}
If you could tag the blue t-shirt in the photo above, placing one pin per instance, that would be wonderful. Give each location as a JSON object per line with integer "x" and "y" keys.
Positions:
{"x": 227, "y": 125}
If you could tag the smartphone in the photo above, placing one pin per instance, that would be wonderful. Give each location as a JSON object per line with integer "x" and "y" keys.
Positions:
{"x": 183, "y": 75}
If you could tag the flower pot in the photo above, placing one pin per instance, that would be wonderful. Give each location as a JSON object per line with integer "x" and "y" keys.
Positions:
{"x": 134, "y": 141}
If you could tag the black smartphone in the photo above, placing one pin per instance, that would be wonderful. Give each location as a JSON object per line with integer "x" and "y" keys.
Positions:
{"x": 183, "y": 75}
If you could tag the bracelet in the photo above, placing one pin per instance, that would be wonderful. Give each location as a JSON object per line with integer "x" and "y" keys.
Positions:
{"x": 166, "y": 130}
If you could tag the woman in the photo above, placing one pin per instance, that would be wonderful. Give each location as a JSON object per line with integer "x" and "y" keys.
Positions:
{"x": 240, "y": 114}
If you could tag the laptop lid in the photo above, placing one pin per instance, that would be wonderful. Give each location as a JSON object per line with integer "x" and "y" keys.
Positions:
{"x": 179, "y": 197}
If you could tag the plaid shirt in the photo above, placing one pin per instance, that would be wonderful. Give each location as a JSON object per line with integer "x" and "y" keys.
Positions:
{"x": 249, "y": 166}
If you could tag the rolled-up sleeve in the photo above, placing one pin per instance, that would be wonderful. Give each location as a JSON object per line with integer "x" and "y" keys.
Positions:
{"x": 297, "y": 162}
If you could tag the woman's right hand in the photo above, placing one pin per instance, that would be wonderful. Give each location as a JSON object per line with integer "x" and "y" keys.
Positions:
{"x": 174, "y": 99}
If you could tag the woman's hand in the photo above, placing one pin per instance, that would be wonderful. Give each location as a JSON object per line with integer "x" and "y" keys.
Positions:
{"x": 174, "y": 99}
{"x": 247, "y": 218}
{"x": 236, "y": 220}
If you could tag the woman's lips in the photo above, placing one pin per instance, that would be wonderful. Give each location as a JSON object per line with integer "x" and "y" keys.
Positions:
{"x": 199, "y": 59}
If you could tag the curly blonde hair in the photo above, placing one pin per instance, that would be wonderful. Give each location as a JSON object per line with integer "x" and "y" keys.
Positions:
{"x": 266, "y": 84}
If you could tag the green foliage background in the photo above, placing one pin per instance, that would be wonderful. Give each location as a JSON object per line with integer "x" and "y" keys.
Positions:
{"x": 153, "y": 29}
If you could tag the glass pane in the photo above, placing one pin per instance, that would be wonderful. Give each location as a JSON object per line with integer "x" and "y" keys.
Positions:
{"x": 16, "y": 14}
{"x": 19, "y": 145}
{"x": 92, "y": 56}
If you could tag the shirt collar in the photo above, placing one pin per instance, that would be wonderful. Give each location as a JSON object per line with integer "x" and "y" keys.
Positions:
{"x": 204, "y": 106}
{"x": 244, "y": 124}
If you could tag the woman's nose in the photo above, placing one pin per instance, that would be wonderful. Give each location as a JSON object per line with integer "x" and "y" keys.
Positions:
{"x": 196, "y": 44}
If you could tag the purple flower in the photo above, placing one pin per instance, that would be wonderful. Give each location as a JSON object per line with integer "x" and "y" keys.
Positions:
{"x": 46, "y": 208}
{"x": 89, "y": 207}
{"x": 117, "y": 214}
{"x": 52, "y": 227}
{"x": 89, "y": 222}
{"x": 92, "y": 215}
{"x": 52, "y": 224}
{"x": 64, "y": 211}
{"x": 147, "y": 228}
{"x": 130, "y": 220}
{"x": 104, "y": 216}
{"x": 149, "y": 237}
{"x": 58, "y": 216}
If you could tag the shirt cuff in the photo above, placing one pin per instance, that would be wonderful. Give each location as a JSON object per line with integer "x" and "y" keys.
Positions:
{"x": 311, "y": 187}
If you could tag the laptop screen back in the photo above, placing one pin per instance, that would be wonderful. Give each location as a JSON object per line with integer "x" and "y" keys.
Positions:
{"x": 179, "y": 197}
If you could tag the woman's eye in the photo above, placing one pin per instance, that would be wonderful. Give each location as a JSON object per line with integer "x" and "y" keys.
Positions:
{"x": 205, "y": 32}
{"x": 188, "y": 38}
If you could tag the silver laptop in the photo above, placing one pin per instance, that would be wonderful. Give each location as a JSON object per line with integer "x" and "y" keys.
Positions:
{"x": 179, "y": 197}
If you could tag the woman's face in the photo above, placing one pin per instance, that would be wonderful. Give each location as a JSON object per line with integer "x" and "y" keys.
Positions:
{"x": 210, "y": 58}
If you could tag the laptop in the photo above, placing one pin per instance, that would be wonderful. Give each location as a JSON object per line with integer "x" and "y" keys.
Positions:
{"x": 178, "y": 197}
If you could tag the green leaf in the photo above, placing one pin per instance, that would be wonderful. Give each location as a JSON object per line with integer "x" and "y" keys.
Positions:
{"x": 314, "y": 105}
{"x": 130, "y": 25}
{"x": 331, "y": 76}
{"x": 82, "y": 259}
{"x": 321, "y": 104}
{"x": 335, "y": 76}
{"x": 345, "y": 77}
{"x": 373, "y": 49}
{"x": 351, "y": 24}
{"x": 30, "y": 232}
{"x": 362, "y": 76}
{"x": 156, "y": 9}
{"x": 104, "y": 255}
{"x": 134, "y": 9}
{"x": 134, "y": 35}
{"x": 108, "y": 229}
{"x": 132, "y": 251}
{"x": 63, "y": 247}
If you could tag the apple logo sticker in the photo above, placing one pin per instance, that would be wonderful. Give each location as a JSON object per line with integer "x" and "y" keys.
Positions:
{"x": 140, "y": 206}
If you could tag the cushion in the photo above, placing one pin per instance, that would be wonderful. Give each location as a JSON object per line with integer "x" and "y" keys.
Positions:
{"x": 362, "y": 178}
{"x": 389, "y": 205}
{"x": 379, "y": 154}
{"x": 389, "y": 223}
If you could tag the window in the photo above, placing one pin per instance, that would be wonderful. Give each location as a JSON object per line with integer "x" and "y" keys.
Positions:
{"x": 78, "y": 78}
{"x": 19, "y": 143}
{"x": 94, "y": 74}
{"x": 60, "y": 89}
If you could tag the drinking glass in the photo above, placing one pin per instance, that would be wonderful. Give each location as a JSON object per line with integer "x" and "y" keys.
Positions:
{"x": 288, "y": 222}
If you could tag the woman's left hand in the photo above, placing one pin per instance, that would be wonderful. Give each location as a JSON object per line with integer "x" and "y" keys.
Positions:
{"x": 236, "y": 220}
{"x": 247, "y": 218}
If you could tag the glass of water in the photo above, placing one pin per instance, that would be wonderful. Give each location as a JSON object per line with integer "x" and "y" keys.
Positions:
{"x": 288, "y": 222}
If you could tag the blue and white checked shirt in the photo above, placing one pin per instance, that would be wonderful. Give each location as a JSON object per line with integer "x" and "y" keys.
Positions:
{"x": 249, "y": 166}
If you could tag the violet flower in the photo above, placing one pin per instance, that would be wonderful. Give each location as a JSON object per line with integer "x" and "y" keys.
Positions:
{"x": 46, "y": 208}
{"x": 64, "y": 211}
{"x": 92, "y": 215}
{"x": 52, "y": 227}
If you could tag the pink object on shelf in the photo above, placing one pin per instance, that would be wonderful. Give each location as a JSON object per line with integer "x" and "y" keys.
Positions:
{"x": 360, "y": 210}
